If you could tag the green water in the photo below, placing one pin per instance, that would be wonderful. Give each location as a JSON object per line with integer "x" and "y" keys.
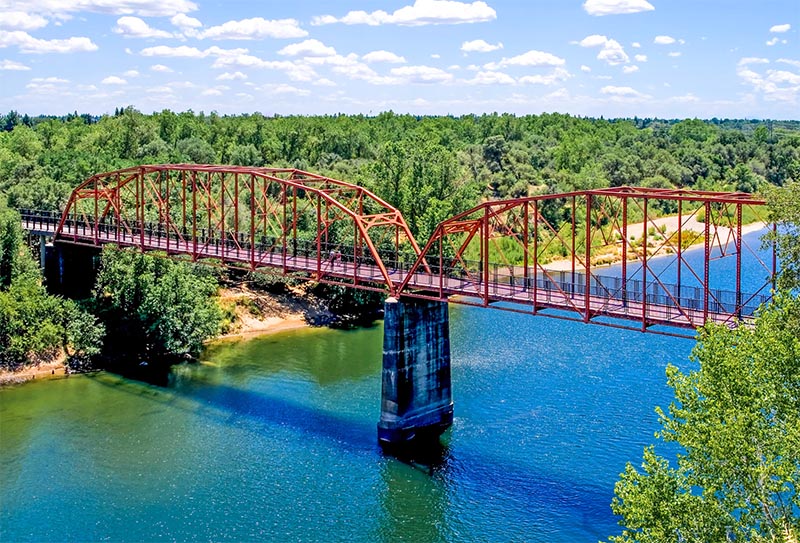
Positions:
{"x": 274, "y": 439}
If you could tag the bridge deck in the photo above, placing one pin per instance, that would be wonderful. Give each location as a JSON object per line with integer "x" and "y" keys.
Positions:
{"x": 542, "y": 292}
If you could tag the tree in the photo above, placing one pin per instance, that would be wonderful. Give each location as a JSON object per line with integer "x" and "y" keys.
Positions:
{"x": 155, "y": 306}
{"x": 784, "y": 205}
{"x": 737, "y": 421}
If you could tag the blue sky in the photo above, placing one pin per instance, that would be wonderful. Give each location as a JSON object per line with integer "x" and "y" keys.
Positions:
{"x": 666, "y": 58}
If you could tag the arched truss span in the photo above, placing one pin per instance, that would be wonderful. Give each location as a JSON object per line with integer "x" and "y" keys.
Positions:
{"x": 245, "y": 216}
{"x": 532, "y": 253}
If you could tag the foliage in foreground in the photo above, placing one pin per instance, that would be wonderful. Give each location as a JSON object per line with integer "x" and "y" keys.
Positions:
{"x": 784, "y": 205}
{"x": 155, "y": 306}
{"x": 737, "y": 421}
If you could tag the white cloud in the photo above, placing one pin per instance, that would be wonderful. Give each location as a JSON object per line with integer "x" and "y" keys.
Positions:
{"x": 134, "y": 27}
{"x": 145, "y": 8}
{"x": 636, "y": 45}
{"x": 383, "y": 56}
{"x": 181, "y": 20}
{"x": 131, "y": 73}
{"x": 664, "y": 40}
{"x": 421, "y": 74}
{"x": 422, "y": 12}
{"x": 557, "y": 75}
{"x": 113, "y": 80}
{"x": 21, "y": 20}
{"x": 773, "y": 41}
{"x": 314, "y": 48}
{"x": 324, "y": 82}
{"x": 297, "y": 71}
{"x": 773, "y": 85}
{"x": 29, "y": 44}
{"x": 585, "y": 68}
{"x": 531, "y": 58}
{"x": 161, "y": 68}
{"x": 640, "y": 58}
{"x": 752, "y": 60}
{"x": 630, "y": 69}
{"x": 211, "y": 92}
{"x": 480, "y": 46}
{"x": 184, "y": 51}
{"x": 616, "y": 7}
{"x": 491, "y": 78}
{"x": 283, "y": 88}
{"x": 622, "y": 92}
{"x": 230, "y": 76}
{"x": 611, "y": 51}
{"x": 254, "y": 29}
{"x": 49, "y": 80}
{"x": 11, "y": 65}
{"x": 436, "y": 55}
{"x": 779, "y": 29}
{"x": 795, "y": 63}
{"x": 674, "y": 53}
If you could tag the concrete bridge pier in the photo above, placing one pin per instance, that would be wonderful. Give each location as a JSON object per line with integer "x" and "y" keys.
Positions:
{"x": 71, "y": 270}
{"x": 416, "y": 395}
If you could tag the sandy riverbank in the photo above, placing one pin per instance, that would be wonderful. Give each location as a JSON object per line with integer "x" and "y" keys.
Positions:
{"x": 722, "y": 236}
{"x": 46, "y": 370}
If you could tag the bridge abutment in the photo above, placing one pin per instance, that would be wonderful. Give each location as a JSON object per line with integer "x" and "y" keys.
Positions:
{"x": 416, "y": 395}
{"x": 71, "y": 270}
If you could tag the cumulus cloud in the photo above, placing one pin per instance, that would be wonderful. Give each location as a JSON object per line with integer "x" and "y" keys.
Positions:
{"x": 491, "y": 78}
{"x": 161, "y": 68}
{"x": 230, "y": 76}
{"x": 181, "y": 20}
{"x": 557, "y": 75}
{"x": 145, "y": 8}
{"x": 791, "y": 62}
{"x": 773, "y": 41}
{"x": 283, "y": 88}
{"x": 422, "y": 12}
{"x": 674, "y": 54}
{"x": 531, "y": 58}
{"x": 480, "y": 46}
{"x": 254, "y": 29}
{"x": 585, "y": 68}
{"x": 184, "y": 51}
{"x": 421, "y": 74}
{"x": 211, "y": 92}
{"x": 29, "y": 44}
{"x": 779, "y": 29}
{"x": 623, "y": 92}
{"x": 640, "y": 58}
{"x": 773, "y": 85}
{"x": 21, "y": 20}
{"x": 131, "y": 73}
{"x": 13, "y": 66}
{"x": 383, "y": 56}
{"x": 296, "y": 71}
{"x": 616, "y": 7}
{"x": 630, "y": 69}
{"x": 113, "y": 80}
{"x": 664, "y": 40}
{"x": 314, "y": 48}
{"x": 611, "y": 51}
{"x": 134, "y": 27}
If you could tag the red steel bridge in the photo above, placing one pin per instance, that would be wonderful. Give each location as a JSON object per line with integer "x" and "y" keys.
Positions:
{"x": 499, "y": 254}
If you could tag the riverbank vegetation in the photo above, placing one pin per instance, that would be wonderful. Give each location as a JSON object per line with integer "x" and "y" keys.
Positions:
{"x": 35, "y": 326}
{"x": 736, "y": 420}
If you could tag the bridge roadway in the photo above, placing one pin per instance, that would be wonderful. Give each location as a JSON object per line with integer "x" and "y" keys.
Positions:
{"x": 549, "y": 290}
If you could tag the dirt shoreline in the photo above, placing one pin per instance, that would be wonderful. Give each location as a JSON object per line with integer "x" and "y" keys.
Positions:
{"x": 46, "y": 370}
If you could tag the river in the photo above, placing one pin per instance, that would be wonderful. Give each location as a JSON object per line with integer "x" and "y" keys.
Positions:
{"x": 274, "y": 439}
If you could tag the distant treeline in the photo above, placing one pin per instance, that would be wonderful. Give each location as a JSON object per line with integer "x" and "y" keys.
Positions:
{"x": 429, "y": 167}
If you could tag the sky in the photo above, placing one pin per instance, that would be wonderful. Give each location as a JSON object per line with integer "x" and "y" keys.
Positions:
{"x": 615, "y": 58}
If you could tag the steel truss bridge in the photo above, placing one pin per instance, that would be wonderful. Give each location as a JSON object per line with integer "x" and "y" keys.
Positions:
{"x": 497, "y": 254}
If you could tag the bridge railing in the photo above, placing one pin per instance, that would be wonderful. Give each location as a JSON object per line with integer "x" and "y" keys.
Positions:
{"x": 40, "y": 220}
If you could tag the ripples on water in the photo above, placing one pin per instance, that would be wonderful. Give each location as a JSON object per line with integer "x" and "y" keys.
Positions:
{"x": 274, "y": 439}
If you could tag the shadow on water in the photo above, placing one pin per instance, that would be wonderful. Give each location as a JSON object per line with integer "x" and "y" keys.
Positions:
{"x": 438, "y": 460}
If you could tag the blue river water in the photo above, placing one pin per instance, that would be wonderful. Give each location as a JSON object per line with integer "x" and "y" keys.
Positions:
{"x": 274, "y": 439}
